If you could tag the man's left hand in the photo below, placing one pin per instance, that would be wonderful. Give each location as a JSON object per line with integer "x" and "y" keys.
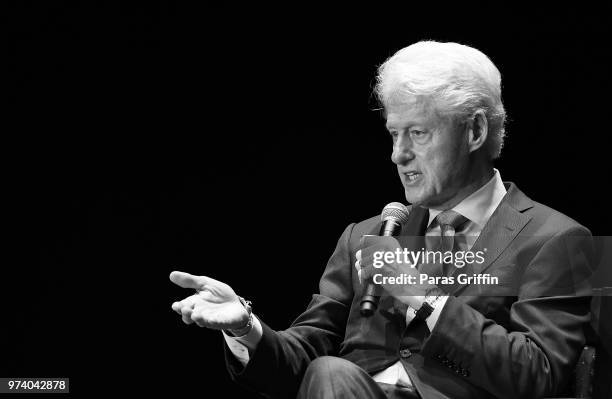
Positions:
{"x": 384, "y": 257}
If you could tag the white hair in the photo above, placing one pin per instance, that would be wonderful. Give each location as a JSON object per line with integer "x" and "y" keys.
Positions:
{"x": 459, "y": 79}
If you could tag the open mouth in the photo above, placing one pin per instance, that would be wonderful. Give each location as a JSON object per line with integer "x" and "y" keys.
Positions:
{"x": 412, "y": 177}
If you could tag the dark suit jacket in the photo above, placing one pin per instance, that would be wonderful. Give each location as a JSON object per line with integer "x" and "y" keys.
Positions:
{"x": 523, "y": 340}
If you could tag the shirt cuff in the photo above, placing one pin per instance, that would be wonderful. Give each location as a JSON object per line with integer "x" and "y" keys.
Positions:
{"x": 241, "y": 347}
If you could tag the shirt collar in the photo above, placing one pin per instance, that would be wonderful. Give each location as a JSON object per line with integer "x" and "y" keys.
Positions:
{"x": 480, "y": 205}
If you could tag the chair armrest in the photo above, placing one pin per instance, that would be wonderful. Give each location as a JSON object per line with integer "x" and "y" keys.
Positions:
{"x": 585, "y": 371}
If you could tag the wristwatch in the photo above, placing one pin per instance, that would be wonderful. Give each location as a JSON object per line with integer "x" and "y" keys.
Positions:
{"x": 241, "y": 332}
{"x": 426, "y": 308}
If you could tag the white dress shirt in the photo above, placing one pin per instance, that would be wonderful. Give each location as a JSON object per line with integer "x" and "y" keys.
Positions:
{"x": 477, "y": 208}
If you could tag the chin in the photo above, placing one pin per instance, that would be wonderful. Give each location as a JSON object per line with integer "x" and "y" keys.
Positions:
{"x": 414, "y": 198}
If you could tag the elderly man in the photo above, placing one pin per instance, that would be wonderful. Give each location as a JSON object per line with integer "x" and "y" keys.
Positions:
{"x": 519, "y": 338}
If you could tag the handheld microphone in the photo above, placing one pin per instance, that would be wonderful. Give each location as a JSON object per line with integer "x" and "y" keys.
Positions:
{"x": 393, "y": 217}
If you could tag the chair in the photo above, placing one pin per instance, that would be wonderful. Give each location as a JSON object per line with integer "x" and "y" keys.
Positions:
{"x": 582, "y": 386}
{"x": 593, "y": 376}
{"x": 601, "y": 372}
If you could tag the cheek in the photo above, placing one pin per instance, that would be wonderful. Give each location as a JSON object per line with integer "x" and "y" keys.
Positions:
{"x": 432, "y": 163}
{"x": 438, "y": 167}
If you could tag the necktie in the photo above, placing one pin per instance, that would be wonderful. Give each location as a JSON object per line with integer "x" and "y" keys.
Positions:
{"x": 449, "y": 222}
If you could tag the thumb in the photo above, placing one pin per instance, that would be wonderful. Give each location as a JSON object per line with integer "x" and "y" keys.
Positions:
{"x": 186, "y": 280}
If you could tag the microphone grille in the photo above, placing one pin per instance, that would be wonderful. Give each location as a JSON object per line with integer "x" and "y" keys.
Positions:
{"x": 397, "y": 211}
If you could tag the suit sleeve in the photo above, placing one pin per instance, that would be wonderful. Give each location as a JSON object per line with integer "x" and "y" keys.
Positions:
{"x": 280, "y": 359}
{"x": 535, "y": 354}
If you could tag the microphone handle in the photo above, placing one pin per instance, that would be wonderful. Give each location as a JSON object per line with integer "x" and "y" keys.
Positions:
{"x": 371, "y": 295}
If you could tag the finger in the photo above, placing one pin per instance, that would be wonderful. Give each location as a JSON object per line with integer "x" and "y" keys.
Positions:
{"x": 176, "y": 306}
{"x": 203, "y": 317}
{"x": 365, "y": 239}
{"x": 190, "y": 301}
{"x": 368, "y": 254}
{"x": 365, "y": 273}
{"x": 358, "y": 255}
{"x": 383, "y": 242}
{"x": 186, "y": 280}
{"x": 198, "y": 317}
{"x": 186, "y": 313}
{"x": 359, "y": 276}
{"x": 358, "y": 265}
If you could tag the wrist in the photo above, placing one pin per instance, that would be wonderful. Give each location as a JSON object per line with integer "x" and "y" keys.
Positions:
{"x": 241, "y": 331}
{"x": 417, "y": 302}
{"x": 426, "y": 304}
{"x": 425, "y": 295}
{"x": 246, "y": 328}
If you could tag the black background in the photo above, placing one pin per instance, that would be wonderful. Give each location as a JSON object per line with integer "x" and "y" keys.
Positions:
{"x": 238, "y": 144}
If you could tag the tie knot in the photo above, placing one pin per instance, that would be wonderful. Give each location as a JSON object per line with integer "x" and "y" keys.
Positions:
{"x": 451, "y": 218}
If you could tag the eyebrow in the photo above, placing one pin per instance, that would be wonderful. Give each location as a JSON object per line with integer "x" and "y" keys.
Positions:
{"x": 408, "y": 125}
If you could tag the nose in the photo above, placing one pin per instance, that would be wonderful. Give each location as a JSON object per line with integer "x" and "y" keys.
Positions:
{"x": 402, "y": 150}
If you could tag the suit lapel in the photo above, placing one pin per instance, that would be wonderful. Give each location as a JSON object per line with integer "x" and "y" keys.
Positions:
{"x": 417, "y": 222}
{"x": 504, "y": 225}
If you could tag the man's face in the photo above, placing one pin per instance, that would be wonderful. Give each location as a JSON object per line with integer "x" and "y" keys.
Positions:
{"x": 431, "y": 153}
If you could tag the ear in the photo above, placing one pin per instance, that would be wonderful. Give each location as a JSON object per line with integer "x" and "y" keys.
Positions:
{"x": 478, "y": 129}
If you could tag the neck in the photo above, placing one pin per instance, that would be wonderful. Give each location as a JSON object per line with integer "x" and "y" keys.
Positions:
{"x": 478, "y": 175}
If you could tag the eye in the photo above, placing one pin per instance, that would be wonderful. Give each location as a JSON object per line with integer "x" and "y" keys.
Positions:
{"x": 393, "y": 134}
{"x": 420, "y": 136}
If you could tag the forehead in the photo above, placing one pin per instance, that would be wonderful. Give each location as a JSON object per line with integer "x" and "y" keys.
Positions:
{"x": 409, "y": 112}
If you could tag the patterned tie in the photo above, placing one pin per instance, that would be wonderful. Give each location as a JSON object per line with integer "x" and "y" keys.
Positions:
{"x": 449, "y": 222}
